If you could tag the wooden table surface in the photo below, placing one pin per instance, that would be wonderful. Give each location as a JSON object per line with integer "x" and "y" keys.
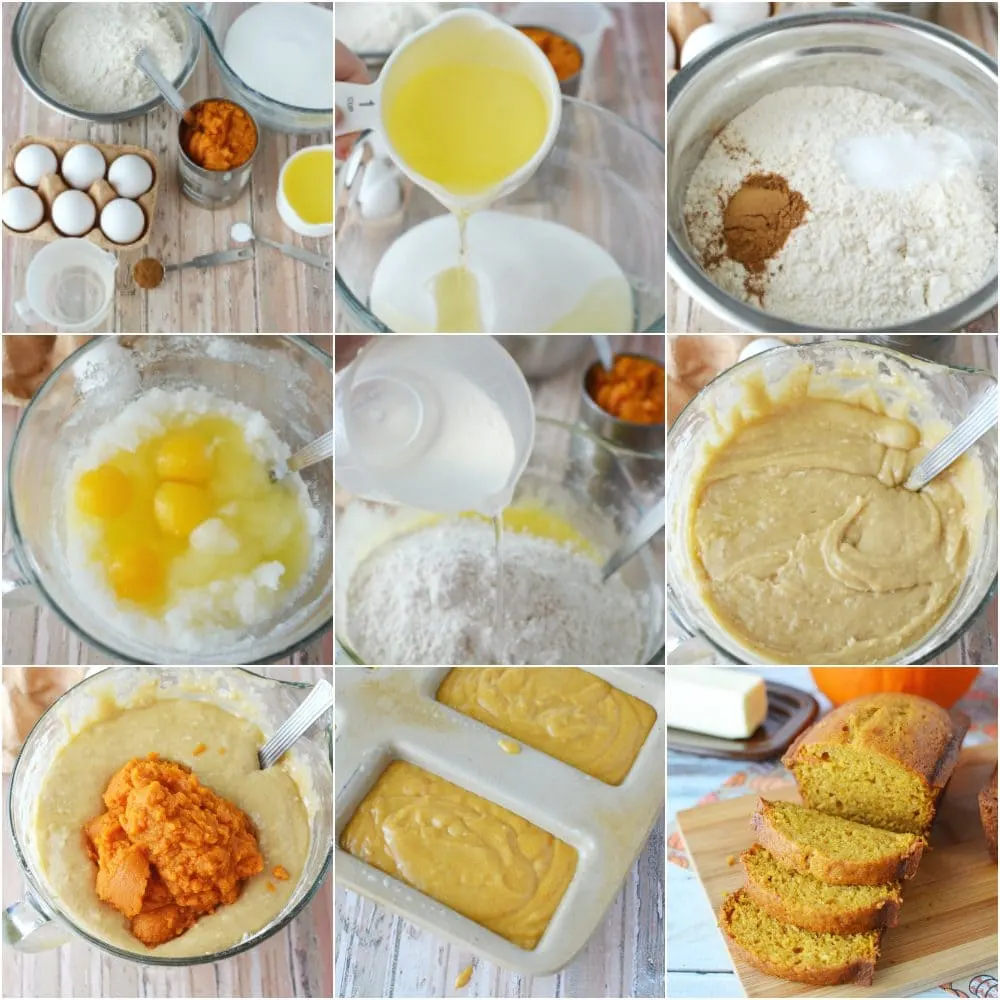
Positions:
{"x": 295, "y": 962}
{"x": 270, "y": 294}
{"x": 628, "y": 77}
{"x": 698, "y": 964}
{"x": 34, "y": 634}
{"x": 975, "y": 21}
{"x": 978, "y": 644}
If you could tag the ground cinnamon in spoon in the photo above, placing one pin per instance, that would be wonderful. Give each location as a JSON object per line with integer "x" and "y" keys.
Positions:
{"x": 148, "y": 272}
{"x": 757, "y": 221}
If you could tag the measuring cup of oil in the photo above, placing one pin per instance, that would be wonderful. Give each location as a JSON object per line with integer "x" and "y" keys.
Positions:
{"x": 444, "y": 424}
{"x": 70, "y": 285}
{"x": 468, "y": 107}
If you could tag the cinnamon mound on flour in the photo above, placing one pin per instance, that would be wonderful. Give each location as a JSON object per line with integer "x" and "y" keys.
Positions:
{"x": 758, "y": 218}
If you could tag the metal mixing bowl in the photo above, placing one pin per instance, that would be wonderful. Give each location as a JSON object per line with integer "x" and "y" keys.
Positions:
{"x": 911, "y": 61}
{"x": 34, "y": 19}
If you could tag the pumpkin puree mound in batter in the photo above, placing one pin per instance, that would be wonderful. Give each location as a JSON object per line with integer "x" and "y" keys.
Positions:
{"x": 807, "y": 546}
{"x": 168, "y": 849}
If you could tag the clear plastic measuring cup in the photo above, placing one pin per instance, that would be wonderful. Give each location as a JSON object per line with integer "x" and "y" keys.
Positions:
{"x": 70, "y": 285}
{"x": 444, "y": 424}
{"x": 466, "y": 35}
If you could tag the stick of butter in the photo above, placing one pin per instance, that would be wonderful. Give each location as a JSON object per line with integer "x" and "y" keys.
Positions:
{"x": 715, "y": 701}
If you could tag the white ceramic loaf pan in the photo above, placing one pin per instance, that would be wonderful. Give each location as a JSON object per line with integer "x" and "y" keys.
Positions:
{"x": 386, "y": 713}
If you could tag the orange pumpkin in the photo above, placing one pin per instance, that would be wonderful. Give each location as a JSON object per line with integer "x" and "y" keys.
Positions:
{"x": 944, "y": 685}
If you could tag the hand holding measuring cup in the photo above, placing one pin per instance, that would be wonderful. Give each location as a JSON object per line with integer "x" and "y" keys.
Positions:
{"x": 468, "y": 107}
{"x": 349, "y": 69}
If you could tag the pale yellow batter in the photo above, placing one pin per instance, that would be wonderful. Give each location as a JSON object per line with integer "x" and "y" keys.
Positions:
{"x": 472, "y": 855}
{"x": 806, "y": 545}
{"x": 226, "y": 762}
{"x": 566, "y": 712}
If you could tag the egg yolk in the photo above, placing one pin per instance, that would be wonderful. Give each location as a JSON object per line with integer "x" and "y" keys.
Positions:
{"x": 180, "y": 507}
{"x": 185, "y": 457}
{"x": 104, "y": 492}
{"x": 136, "y": 573}
{"x": 138, "y": 511}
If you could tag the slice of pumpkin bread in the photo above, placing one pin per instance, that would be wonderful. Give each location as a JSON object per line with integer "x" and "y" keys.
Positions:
{"x": 883, "y": 759}
{"x": 796, "y": 898}
{"x": 792, "y": 953}
{"x": 835, "y": 850}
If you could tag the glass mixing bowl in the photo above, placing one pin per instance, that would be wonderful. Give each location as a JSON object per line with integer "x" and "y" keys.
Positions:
{"x": 285, "y": 378}
{"x": 951, "y": 392}
{"x": 38, "y": 921}
{"x": 600, "y": 490}
{"x": 603, "y": 177}
{"x": 217, "y": 19}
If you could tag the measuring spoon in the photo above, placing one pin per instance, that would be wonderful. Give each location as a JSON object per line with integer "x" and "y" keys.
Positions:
{"x": 242, "y": 233}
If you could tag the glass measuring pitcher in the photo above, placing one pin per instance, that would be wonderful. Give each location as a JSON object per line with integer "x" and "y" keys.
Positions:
{"x": 285, "y": 378}
{"x": 39, "y": 921}
{"x": 445, "y": 424}
{"x": 949, "y": 392}
{"x": 70, "y": 285}
{"x": 463, "y": 38}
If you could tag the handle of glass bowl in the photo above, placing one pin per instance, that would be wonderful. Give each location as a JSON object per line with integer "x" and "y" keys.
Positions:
{"x": 26, "y": 928}
{"x": 18, "y": 588}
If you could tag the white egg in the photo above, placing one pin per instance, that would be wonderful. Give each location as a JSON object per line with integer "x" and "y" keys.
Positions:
{"x": 83, "y": 165}
{"x": 130, "y": 175}
{"x": 122, "y": 221}
{"x": 704, "y": 38}
{"x": 33, "y": 162}
{"x": 22, "y": 209}
{"x": 73, "y": 213}
{"x": 737, "y": 14}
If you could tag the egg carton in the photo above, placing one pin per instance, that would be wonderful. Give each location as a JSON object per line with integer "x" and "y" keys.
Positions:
{"x": 385, "y": 713}
{"x": 101, "y": 192}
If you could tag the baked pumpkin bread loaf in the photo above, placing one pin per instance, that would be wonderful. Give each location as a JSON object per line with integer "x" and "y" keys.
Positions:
{"x": 835, "y": 850}
{"x": 792, "y": 953}
{"x": 988, "y": 813}
{"x": 882, "y": 759}
{"x": 801, "y": 899}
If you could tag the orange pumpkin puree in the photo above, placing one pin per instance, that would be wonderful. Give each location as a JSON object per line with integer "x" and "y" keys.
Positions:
{"x": 168, "y": 849}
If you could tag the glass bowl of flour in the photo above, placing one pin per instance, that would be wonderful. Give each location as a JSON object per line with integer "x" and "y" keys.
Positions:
{"x": 118, "y": 394}
{"x": 417, "y": 588}
{"x": 883, "y": 128}
{"x": 78, "y": 58}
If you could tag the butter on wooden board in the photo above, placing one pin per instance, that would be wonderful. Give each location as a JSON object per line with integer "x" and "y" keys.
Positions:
{"x": 715, "y": 701}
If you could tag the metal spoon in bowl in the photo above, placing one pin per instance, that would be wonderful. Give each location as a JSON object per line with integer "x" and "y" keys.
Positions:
{"x": 981, "y": 418}
{"x": 316, "y": 451}
{"x": 148, "y": 65}
{"x": 318, "y": 702}
{"x": 654, "y": 520}
{"x": 602, "y": 344}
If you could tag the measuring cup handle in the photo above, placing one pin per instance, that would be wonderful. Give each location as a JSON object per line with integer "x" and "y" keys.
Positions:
{"x": 357, "y": 107}
{"x": 28, "y": 315}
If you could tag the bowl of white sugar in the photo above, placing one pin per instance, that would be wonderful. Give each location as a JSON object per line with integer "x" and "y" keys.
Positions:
{"x": 79, "y": 58}
{"x": 836, "y": 170}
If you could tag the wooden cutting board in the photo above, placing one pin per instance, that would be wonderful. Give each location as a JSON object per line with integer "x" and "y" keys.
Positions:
{"x": 948, "y": 924}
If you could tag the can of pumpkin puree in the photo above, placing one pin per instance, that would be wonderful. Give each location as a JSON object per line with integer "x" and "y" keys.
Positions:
{"x": 218, "y": 141}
